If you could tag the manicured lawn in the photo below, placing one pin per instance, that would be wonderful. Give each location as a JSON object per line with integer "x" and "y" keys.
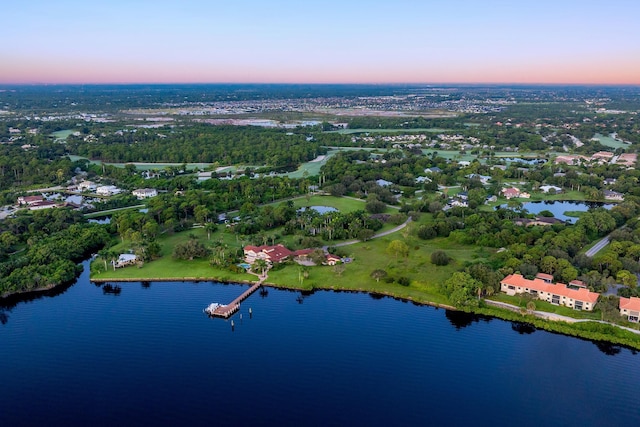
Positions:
{"x": 343, "y": 204}
{"x": 368, "y": 256}
{"x": 548, "y": 307}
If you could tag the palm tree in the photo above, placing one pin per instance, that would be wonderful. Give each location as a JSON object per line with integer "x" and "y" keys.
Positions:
{"x": 260, "y": 264}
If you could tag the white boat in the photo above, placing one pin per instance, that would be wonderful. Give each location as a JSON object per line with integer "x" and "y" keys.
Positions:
{"x": 212, "y": 308}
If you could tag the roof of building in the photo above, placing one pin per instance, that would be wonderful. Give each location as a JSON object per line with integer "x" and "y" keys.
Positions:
{"x": 302, "y": 252}
{"x": 32, "y": 198}
{"x": 127, "y": 257}
{"x": 511, "y": 190}
{"x": 632, "y": 303}
{"x": 544, "y": 276}
{"x": 561, "y": 289}
{"x": 274, "y": 253}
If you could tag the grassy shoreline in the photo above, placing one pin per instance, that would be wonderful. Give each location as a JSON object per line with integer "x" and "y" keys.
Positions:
{"x": 592, "y": 331}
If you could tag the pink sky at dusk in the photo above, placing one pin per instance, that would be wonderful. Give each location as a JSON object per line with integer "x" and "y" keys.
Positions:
{"x": 283, "y": 41}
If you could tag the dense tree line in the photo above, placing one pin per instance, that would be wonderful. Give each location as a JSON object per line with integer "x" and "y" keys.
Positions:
{"x": 43, "y": 164}
{"x": 42, "y": 249}
{"x": 225, "y": 145}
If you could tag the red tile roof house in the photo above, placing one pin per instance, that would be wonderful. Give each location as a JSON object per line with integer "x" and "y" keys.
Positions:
{"x": 559, "y": 293}
{"x": 332, "y": 259}
{"x": 510, "y": 193}
{"x": 29, "y": 200}
{"x": 630, "y": 307}
{"x": 272, "y": 254}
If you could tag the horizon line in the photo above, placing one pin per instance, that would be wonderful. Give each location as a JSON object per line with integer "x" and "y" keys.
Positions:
{"x": 318, "y": 83}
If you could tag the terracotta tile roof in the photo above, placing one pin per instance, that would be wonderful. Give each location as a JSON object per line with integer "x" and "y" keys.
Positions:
{"x": 561, "y": 289}
{"x": 302, "y": 252}
{"x": 632, "y": 303}
{"x": 275, "y": 253}
{"x": 544, "y": 276}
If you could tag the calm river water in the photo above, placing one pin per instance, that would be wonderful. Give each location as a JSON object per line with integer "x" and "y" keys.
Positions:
{"x": 149, "y": 356}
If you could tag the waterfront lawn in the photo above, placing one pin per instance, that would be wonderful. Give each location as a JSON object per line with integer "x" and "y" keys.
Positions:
{"x": 545, "y": 306}
{"x": 423, "y": 276}
{"x": 369, "y": 256}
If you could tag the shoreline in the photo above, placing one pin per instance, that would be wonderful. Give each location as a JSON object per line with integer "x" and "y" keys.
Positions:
{"x": 273, "y": 285}
{"x": 554, "y": 326}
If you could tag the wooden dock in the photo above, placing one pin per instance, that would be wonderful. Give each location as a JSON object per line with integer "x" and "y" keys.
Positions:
{"x": 226, "y": 311}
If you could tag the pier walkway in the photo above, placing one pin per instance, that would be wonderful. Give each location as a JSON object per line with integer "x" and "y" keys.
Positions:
{"x": 226, "y": 311}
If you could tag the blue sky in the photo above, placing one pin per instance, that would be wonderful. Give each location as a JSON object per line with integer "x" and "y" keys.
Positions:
{"x": 320, "y": 41}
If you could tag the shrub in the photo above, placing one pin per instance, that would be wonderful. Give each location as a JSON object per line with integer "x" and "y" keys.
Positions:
{"x": 404, "y": 281}
{"x": 440, "y": 258}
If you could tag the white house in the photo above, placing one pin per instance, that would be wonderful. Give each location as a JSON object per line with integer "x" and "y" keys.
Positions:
{"x": 87, "y": 186}
{"x": 107, "y": 190}
{"x": 145, "y": 193}
{"x": 124, "y": 260}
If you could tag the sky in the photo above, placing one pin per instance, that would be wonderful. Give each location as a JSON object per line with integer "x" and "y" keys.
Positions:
{"x": 320, "y": 41}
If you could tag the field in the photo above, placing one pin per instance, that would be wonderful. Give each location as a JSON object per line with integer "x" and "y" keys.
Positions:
{"x": 367, "y": 256}
{"x": 608, "y": 141}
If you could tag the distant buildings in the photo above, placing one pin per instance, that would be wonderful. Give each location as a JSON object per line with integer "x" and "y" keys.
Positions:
{"x": 107, "y": 190}
{"x": 145, "y": 193}
{"x": 613, "y": 195}
{"x": 510, "y": 193}
{"x": 87, "y": 186}
{"x": 29, "y": 200}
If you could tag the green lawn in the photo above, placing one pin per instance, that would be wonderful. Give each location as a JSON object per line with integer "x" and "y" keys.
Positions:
{"x": 368, "y": 256}
{"x": 521, "y": 301}
{"x": 610, "y": 142}
{"x": 343, "y": 204}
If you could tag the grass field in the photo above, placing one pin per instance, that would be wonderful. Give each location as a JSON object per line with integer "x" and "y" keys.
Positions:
{"x": 368, "y": 256}
{"x": 313, "y": 168}
{"x": 610, "y": 142}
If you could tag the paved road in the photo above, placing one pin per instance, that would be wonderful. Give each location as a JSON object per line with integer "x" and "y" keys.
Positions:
{"x": 555, "y": 317}
{"x": 384, "y": 233}
{"x": 597, "y": 247}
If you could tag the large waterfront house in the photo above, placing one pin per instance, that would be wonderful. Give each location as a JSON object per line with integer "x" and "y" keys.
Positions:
{"x": 271, "y": 254}
{"x": 575, "y": 297}
{"x": 280, "y": 253}
{"x": 630, "y": 307}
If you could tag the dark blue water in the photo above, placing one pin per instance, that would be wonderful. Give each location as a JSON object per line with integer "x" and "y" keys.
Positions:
{"x": 149, "y": 356}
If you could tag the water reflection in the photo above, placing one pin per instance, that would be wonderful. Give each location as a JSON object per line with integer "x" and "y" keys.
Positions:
{"x": 110, "y": 289}
{"x": 461, "y": 319}
{"x": 608, "y": 348}
{"x": 523, "y": 328}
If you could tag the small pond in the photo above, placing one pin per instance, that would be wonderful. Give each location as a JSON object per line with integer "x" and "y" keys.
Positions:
{"x": 525, "y": 161}
{"x": 105, "y": 220}
{"x": 320, "y": 209}
{"x": 559, "y": 207}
